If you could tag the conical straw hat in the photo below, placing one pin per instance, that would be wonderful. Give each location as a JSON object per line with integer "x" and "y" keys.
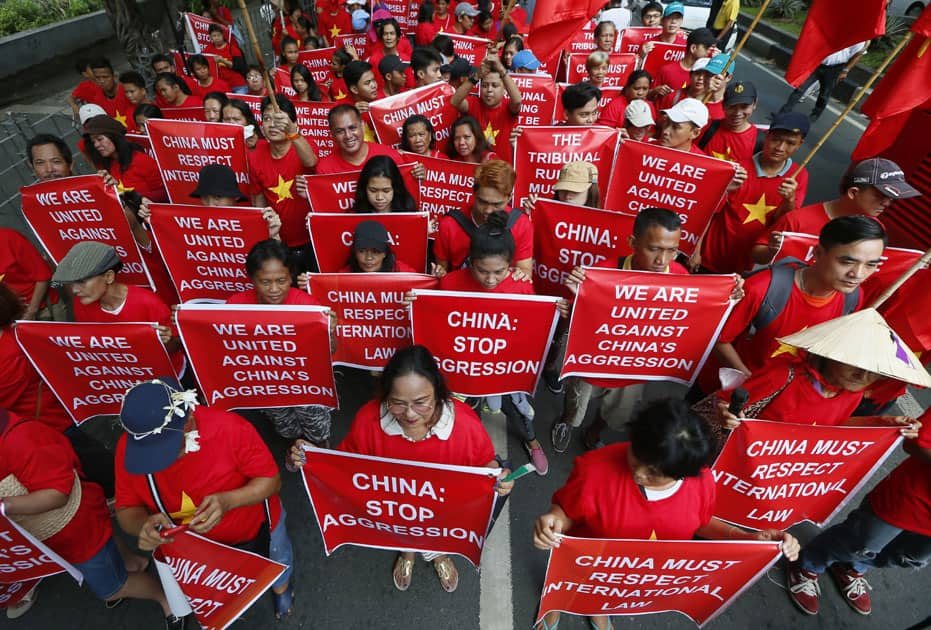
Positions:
{"x": 864, "y": 340}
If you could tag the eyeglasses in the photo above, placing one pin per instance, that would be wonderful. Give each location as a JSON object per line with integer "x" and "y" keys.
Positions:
{"x": 398, "y": 407}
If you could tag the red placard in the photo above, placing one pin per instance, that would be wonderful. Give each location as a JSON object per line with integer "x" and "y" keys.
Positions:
{"x": 661, "y": 54}
{"x": 313, "y": 124}
{"x": 372, "y": 322}
{"x": 583, "y": 42}
{"x": 620, "y": 65}
{"x": 359, "y": 41}
{"x": 257, "y": 357}
{"x": 638, "y": 577}
{"x": 23, "y": 558}
{"x": 63, "y": 212}
{"x": 336, "y": 192}
{"x": 393, "y": 504}
{"x": 566, "y": 236}
{"x": 607, "y": 94}
{"x": 541, "y": 152}
{"x": 772, "y": 475}
{"x": 90, "y": 366}
{"x": 283, "y": 82}
{"x": 402, "y": 10}
{"x": 331, "y": 236}
{"x": 537, "y": 99}
{"x": 190, "y": 114}
{"x": 645, "y": 326}
{"x": 143, "y": 141}
{"x": 633, "y": 37}
{"x": 198, "y": 29}
{"x": 689, "y": 184}
{"x": 472, "y": 49}
{"x": 254, "y": 102}
{"x": 183, "y": 148}
{"x": 219, "y": 582}
{"x": 205, "y": 248}
{"x": 388, "y": 114}
{"x": 318, "y": 62}
{"x": 12, "y": 594}
{"x": 486, "y": 343}
{"x": 448, "y": 185}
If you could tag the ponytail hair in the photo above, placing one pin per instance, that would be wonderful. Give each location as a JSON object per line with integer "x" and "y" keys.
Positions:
{"x": 493, "y": 238}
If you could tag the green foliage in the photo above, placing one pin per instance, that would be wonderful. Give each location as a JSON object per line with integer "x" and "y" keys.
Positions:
{"x": 787, "y": 9}
{"x": 21, "y": 15}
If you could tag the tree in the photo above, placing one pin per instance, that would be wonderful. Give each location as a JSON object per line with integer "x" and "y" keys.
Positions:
{"x": 140, "y": 39}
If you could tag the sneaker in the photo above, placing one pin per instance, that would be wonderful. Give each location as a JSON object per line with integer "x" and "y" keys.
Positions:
{"x": 538, "y": 458}
{"x": 553, "y": 383}
{"x": 22, "y": 606}
{"x": 803, "y": 588}
{"x": 175, "y": 623}
{"x": 560, "y": 436}
{"x": 853, "y": 586}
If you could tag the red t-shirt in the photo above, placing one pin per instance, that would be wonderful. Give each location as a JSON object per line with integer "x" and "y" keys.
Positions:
{"x": 463, "y": 280}
{"x": 733, "y": 146}
{"x": 231, "y": 454}
{"x": 903, "y": 498}
{"x": 111, "y": 105}
{"x": 42, "y": 459}
{"x": 452, "y": 242}
{"x": 22, "y": 390}
{"x": 163, "y": 104}
{"x": 216, "y": 85}
{"x": 230, "y": 76}
{"x": 807, "y": 220}
{"x": 425, "y": 33}
{"x": 21, "y": 266}
{"x": 88, "y": 91}
{"x": 467, "y": 445}
{"x": 496, "y": 123}
{"x": 334, "y": 163}
{"x": 332, "y": 25}
{"x": 339, "y": 91}
{"x": 612, "y": 115}
{"x": 445, "y": 25}
{"x": 673, "y": 75}
{"x": 275, "y": 178}
{"x": 604, "y": 501}
{"x": 295, "y": 297}
{"x": 746, "y": 214}
{"x": 142, "y": 176}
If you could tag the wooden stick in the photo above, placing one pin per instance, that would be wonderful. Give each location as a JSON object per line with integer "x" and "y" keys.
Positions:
{"x": 258, "y": 54}
{"x": 885, "y": 295}
{"x": 856, "y": 98}
{"x": 507, "y": 12}
{"x": 742, "y": 42}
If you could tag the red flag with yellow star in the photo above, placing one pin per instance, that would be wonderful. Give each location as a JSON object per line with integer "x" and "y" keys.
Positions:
{"x": 555, "y": 22}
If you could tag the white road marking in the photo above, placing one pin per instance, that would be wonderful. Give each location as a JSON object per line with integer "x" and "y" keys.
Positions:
{"x": 496, "y": 609}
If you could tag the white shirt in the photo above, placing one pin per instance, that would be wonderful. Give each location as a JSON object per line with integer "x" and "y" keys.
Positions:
{"x": 843, "y": 56}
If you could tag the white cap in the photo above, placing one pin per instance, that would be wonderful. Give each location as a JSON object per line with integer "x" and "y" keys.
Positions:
{"x": 700, "y": 64}
{"x": 90, "y": 110}
{"x": 638, "y": 114}
{"x": 688, "y": 110}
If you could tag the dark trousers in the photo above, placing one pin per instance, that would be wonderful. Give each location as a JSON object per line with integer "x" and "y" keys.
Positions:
{"x": 827, "y": 77}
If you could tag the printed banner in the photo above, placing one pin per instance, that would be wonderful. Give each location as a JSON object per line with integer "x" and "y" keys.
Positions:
{"x": 472, "y": 49}
{"x": 393, "y": 504}
{"x": 662, "y": 54}
{"x": 359, "y": 41}
{"x": 583, "y": 42}
{"x": 198, "y": 29}
{"x": 23, "y": 558}
{"x": 566, "y": 236}
{"x": 537, "y": 99}
{"x": 541, "y": 153}
{"x": 638, "y": 577}
{"x": 448, "y": 185}
{"x": 190, "y": 114}
{"x": 620, "y": 65}
{"x": 689, "y": 184}
{"x": 645, "y": 326}
{"x": 486, "y": 343}
{"x": 313, "y": 125}
{"x": 282, "y": 81}
{"x": 142, "y": 141}
{"x": 219, "y": 582}
{"x": 401, "y": 10}
{"x": 336, "y": 192}
{"x": 254, "y": 102}
{"x": 772, "y": 475}
{"x": 205, "y": 248}
{"x": 372, "y": 321}
{"x": 633, "y": 37}
{"x": 262, "y": 356}
{"x": 183, "y": 148}
{"x": 90, "y": 366}
{"x": 318, "y": 62}
{"x": 12, "y": 594}
{"x": 433, "y": 101}
{"x": 63, "y": 212}
{"x": 331, "y": 237}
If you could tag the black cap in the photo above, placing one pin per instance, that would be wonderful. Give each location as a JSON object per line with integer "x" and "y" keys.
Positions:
{"x": 390, "y": 63}
{"x": 458, "y": 68}
{"x": 370, "y": 235}
{"x": 739, "y": 93}
{"x": 217, "y": 180}
{"x": 884, "y": 175}
{"x": 796, "y": 122}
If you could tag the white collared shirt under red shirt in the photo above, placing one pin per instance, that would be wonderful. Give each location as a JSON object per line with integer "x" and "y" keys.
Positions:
{"x": 496, "y": 123}
{"x": 334, "y": 163}
{"x": 275, "y": 179}
{"x": 452, "y": 242}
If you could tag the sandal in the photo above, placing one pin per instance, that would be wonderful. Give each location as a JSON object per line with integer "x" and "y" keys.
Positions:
{"x": 403, "y": 570}
{"x": 544, "y": 626}
{"x": 610, "y": 625}
{"x": 446, "y": 571}
{"x": 284, "y": 602}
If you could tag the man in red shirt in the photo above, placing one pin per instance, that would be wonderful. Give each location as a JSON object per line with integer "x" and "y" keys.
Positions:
{"x": 425, "y": 64}
{"x": 495, "y": 112}
{"x": 352, "y": 151}
{"x": 868, "y": 187}
{"x": 363, "y": 89}
{"x": 465, "y": 18}
{"x": 162, "y": 63}
{"x": 735, "y": 138}
{"x": 333, "y": 21}
{"x": 112, "y": 98}
{"x": 675, "y": 74}
{"x": 392, "y": 70}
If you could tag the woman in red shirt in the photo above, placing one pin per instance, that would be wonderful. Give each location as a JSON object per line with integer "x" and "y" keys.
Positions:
{"x": 381, "y": 188}
{"x": 467, "y": 142}
{"x": 175, "y": 92}
{"x": 302, "y": 82}
{"x": 127, "y": 163}
{"x": 419, "y": 137}
{"x": 656, "y": 486}
{"x": 206, "y": 82}
{"x": 426, "y": 29}
{"x": 230, "y": 61}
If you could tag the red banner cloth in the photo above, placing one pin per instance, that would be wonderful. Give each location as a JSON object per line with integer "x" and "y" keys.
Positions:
{"x": 689, "y": 184}
{"x": 372, "y": 322}
{"x": 261, "y": 356}
{"x": 566, "y": 236}
{"x": 394, "y": 504}
{"x": 63, "y": 212}
{"x": 90, "y": 366}
{"x": 198, "y": 29}
{"x": 661, "y": 54}
{"x": 12, "y": 594}
{"x": 183, "y": 148}
{"x": 331, "y": 237}
{"x": 190, "y": 114}
{"x": 634, "y": 37}
{"x": 336, "y": 192}
{"x": 359, "y": 41}
{"x": 555, "y": 22}
{"x": 180, "y": 62}
{"x": 205, "y": 247}
{"x": 637, "y": 577}
{"x": 541, "y": 152}
{"x": 219, "y": 582}
{"x": 772, "y": 475}
{"x": 537, "y": 99}
{"x": 907, "y": 311}
{"x": 318, "y": 62}
{"x": 583, "y": 40}
{"x": 620, "y": 65}
{"x": 142, "y": 141}
{"x": 472, "y": 49}
{"x": 448, "y": 185}
{"x": 313, "y": 125}
{"x": 24, "y": 558}
{"x": 253, "y": 101}
{"x": 433, "y": 101}
{"x": 283, "y": 82}
{"x": 645, "y": 326}
{"x": 485, "y": 343}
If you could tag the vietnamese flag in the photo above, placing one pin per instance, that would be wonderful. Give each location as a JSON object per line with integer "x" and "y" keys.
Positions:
{"x": 827, "y": 30}
{"x": 555, "y": 22}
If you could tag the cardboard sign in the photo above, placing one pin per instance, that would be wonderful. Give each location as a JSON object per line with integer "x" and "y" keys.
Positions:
{"x": 331, "y": 237}
{"x": 318, "y": 62}
{"x": 63, "y": 212}
{"x": 662, "y": 54}
{"x": 634, "y": 37}
{"x": 198, "y": 29}
{"x": 336, "y": 192}
{"x": 448, "y": 185}
{"x": 12, "y": 594}
{"x": 472, "y": 49}
{"x": 485, "y": 343}
{"x": 254, "y": 102}
{"x": 190, "y": 114}
{"x": 205, "y": 248}
{"x": 261, "y": 356}
{"x": 313, "y": 125}
{"x": 392, "y": 504}
{"x": 537, "y": 99}
{"x": 583, "y": 42}
{"x": 433, "y": 101}
{"x": 620, "y": 65}
{"x": 359, "y": 41}
{"x": 645, "y": 326}
{"x": 142, "y": 141}
{"x": 772, "y": 475}
{"x": 24, "y": 558}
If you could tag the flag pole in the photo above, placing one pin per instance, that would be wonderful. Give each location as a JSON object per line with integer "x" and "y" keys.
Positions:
{"x": 258, "y": 56}
{"x": 741, "y": 43}
{"x": 507, "y": 12}
{"x": 892, "y": 288}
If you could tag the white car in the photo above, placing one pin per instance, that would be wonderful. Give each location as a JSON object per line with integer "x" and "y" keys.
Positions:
{"x": 909, "y": 8}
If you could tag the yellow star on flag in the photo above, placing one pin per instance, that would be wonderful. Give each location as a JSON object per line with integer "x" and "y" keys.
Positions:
{"x": 339, "y": 96}
{"x": 120, "y": 188}
{"x": 369, "y": 135}
{"x": 652, "y": 535}
{"x": 758, "y": 211}
{"x": 186, "y": 513}
{"x": 491, "y": 134}
{"x": 785, "y": 348}
{"x": 724, "y": 156}
{"x": 283, "y": 189}
{"x": 120, "y": 118}
{"x": 335, "y": 30}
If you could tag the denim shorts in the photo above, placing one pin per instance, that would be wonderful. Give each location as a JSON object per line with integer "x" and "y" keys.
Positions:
{"x": 105, "y": 573}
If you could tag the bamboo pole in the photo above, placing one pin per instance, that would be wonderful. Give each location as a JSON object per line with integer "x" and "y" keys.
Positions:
{"x": 507, "y": 12}
{"x": 885, "y": 295}
{"x": 741, "y": 43}
{"x": 258, "y": 55}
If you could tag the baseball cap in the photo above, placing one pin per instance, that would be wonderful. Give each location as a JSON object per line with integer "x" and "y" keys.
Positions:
{"x": 217, "y": 180}
{"x": 576, "y": 177}
{"x": 89, "y": 110}
{"x": 525, "y": 59}
{"x": 716, "y": 64}
{"x": 359, "y": 17}
{"x": 688, "y": 110}
{"x": 674, "y": 7}
{"x": 390, "y": 63}
{"x": 464, "y": 8}
{"x": 153, "y": 414}
{"x": 638, "y": 114}
{"x": 370, "y": 235}
{"x": 701, "y": 64}
{"x": 457, "y": 68}
{"x": 86, "y": 260}
{"x": 739, "y": 93}
{"x": 884, "y": 175}
{"x": 795, "y": 122}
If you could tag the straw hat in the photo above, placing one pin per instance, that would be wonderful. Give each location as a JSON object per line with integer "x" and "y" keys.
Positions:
{"x": 864, "y": 340}
{"x": 45, "y": 524}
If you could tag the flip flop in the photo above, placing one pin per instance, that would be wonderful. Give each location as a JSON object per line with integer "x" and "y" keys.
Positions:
{"x": 402, "y": 572}
{"x": 447, "y": 573}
